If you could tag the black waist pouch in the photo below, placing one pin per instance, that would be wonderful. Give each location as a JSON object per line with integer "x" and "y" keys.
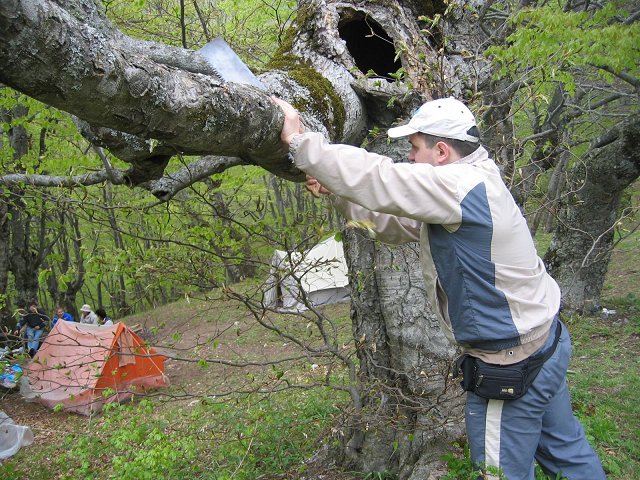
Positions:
{"x": 502, "y": 382}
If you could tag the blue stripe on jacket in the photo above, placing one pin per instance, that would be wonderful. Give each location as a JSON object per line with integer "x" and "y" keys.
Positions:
{"x": 479, "y": 312}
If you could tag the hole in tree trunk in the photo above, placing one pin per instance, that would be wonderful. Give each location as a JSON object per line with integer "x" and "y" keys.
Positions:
{"x": 369, "y": 45}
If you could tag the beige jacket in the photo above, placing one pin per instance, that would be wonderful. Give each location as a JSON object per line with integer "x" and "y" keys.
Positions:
{"x": 482, "y": 273}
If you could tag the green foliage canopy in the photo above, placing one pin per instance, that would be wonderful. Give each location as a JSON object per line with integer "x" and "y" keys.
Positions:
{"x": 549, "y": 44}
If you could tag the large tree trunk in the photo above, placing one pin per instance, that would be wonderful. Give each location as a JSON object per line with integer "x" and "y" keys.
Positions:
{"x": 26, "y": 225}
{"x": 5, "y": 238}
{"x": 411, "y": 409}
{"x": 579, "y": 255}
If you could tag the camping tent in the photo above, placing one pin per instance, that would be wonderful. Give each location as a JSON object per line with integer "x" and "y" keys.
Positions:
{"x": 319, "y": 275}
{"x": 81, "y": 367}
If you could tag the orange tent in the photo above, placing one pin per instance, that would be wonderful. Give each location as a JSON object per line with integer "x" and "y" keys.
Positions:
{"x": 81, "y": 367}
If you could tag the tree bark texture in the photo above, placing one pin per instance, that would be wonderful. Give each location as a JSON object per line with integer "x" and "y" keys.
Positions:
{"x": 5, "y": 239}
{"x": 411, "y": 408}
{"x": 68, "y": 55}
{"x": 27, "y": 244}
{"x": 579, "y": 255}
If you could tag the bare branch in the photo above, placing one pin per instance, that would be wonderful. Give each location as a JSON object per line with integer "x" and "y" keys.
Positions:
{"x": 203, "y": 21}
{"x": 632, "y": 18}
{"x": 107, "y": 164}
{"x": 92, "y": 178}
{"x": 163, "y": 188}
{"x": 166, "y": 187}
{"x": 630, "y": 79}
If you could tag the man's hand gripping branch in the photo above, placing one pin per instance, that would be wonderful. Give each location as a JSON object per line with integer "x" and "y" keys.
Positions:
{"x": 291, "y": 127}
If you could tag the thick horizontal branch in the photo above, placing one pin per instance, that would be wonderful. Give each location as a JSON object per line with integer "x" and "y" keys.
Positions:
{"x": 94, "y": 72}
{"x": 126, "y": 147}
{"x": 630, "y": 79}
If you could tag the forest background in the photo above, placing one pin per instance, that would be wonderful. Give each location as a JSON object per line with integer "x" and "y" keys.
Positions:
{"x": 125, "y": 250}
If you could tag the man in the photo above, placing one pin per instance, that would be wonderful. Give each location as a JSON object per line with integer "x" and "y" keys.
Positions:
{"x": 488, "y": 287}
{"x": 35, "y": 321}
{"x": 87, "y": 315}
{"x": 61, "y": 315}
{"x": 103, "y": 319}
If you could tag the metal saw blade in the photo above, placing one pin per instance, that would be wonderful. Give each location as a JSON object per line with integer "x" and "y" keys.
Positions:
{"x": 227, "y": 64}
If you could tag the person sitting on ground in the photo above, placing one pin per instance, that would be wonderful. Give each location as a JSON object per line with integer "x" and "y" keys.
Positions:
{"x": 35, "y": 321}
{"x": 87, "y": 315}
{"x": 61, "y": 315}
{"x": 103, "y": 319}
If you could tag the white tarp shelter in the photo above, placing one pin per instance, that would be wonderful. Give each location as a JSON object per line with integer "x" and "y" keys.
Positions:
{"x": 12, "y": 437}
{"x": 321, "y": 274}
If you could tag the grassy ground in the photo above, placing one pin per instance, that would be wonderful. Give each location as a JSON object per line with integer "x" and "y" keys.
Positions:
{"x": 604, "y": 382}
{"x": 190, "y": 433}
{"x": 197, "y": 429}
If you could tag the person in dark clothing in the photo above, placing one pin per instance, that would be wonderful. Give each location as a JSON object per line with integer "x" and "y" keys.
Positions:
{"x": 35, "y": 321}
{"x": 103, "y": 318}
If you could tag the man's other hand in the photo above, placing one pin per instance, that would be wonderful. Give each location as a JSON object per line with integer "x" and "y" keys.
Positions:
{"x": 315, "y": 187}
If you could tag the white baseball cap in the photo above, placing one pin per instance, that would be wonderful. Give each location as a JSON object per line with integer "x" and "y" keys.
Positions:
{"x": 445, "y": 117}
{"x": 85, "y": 308}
